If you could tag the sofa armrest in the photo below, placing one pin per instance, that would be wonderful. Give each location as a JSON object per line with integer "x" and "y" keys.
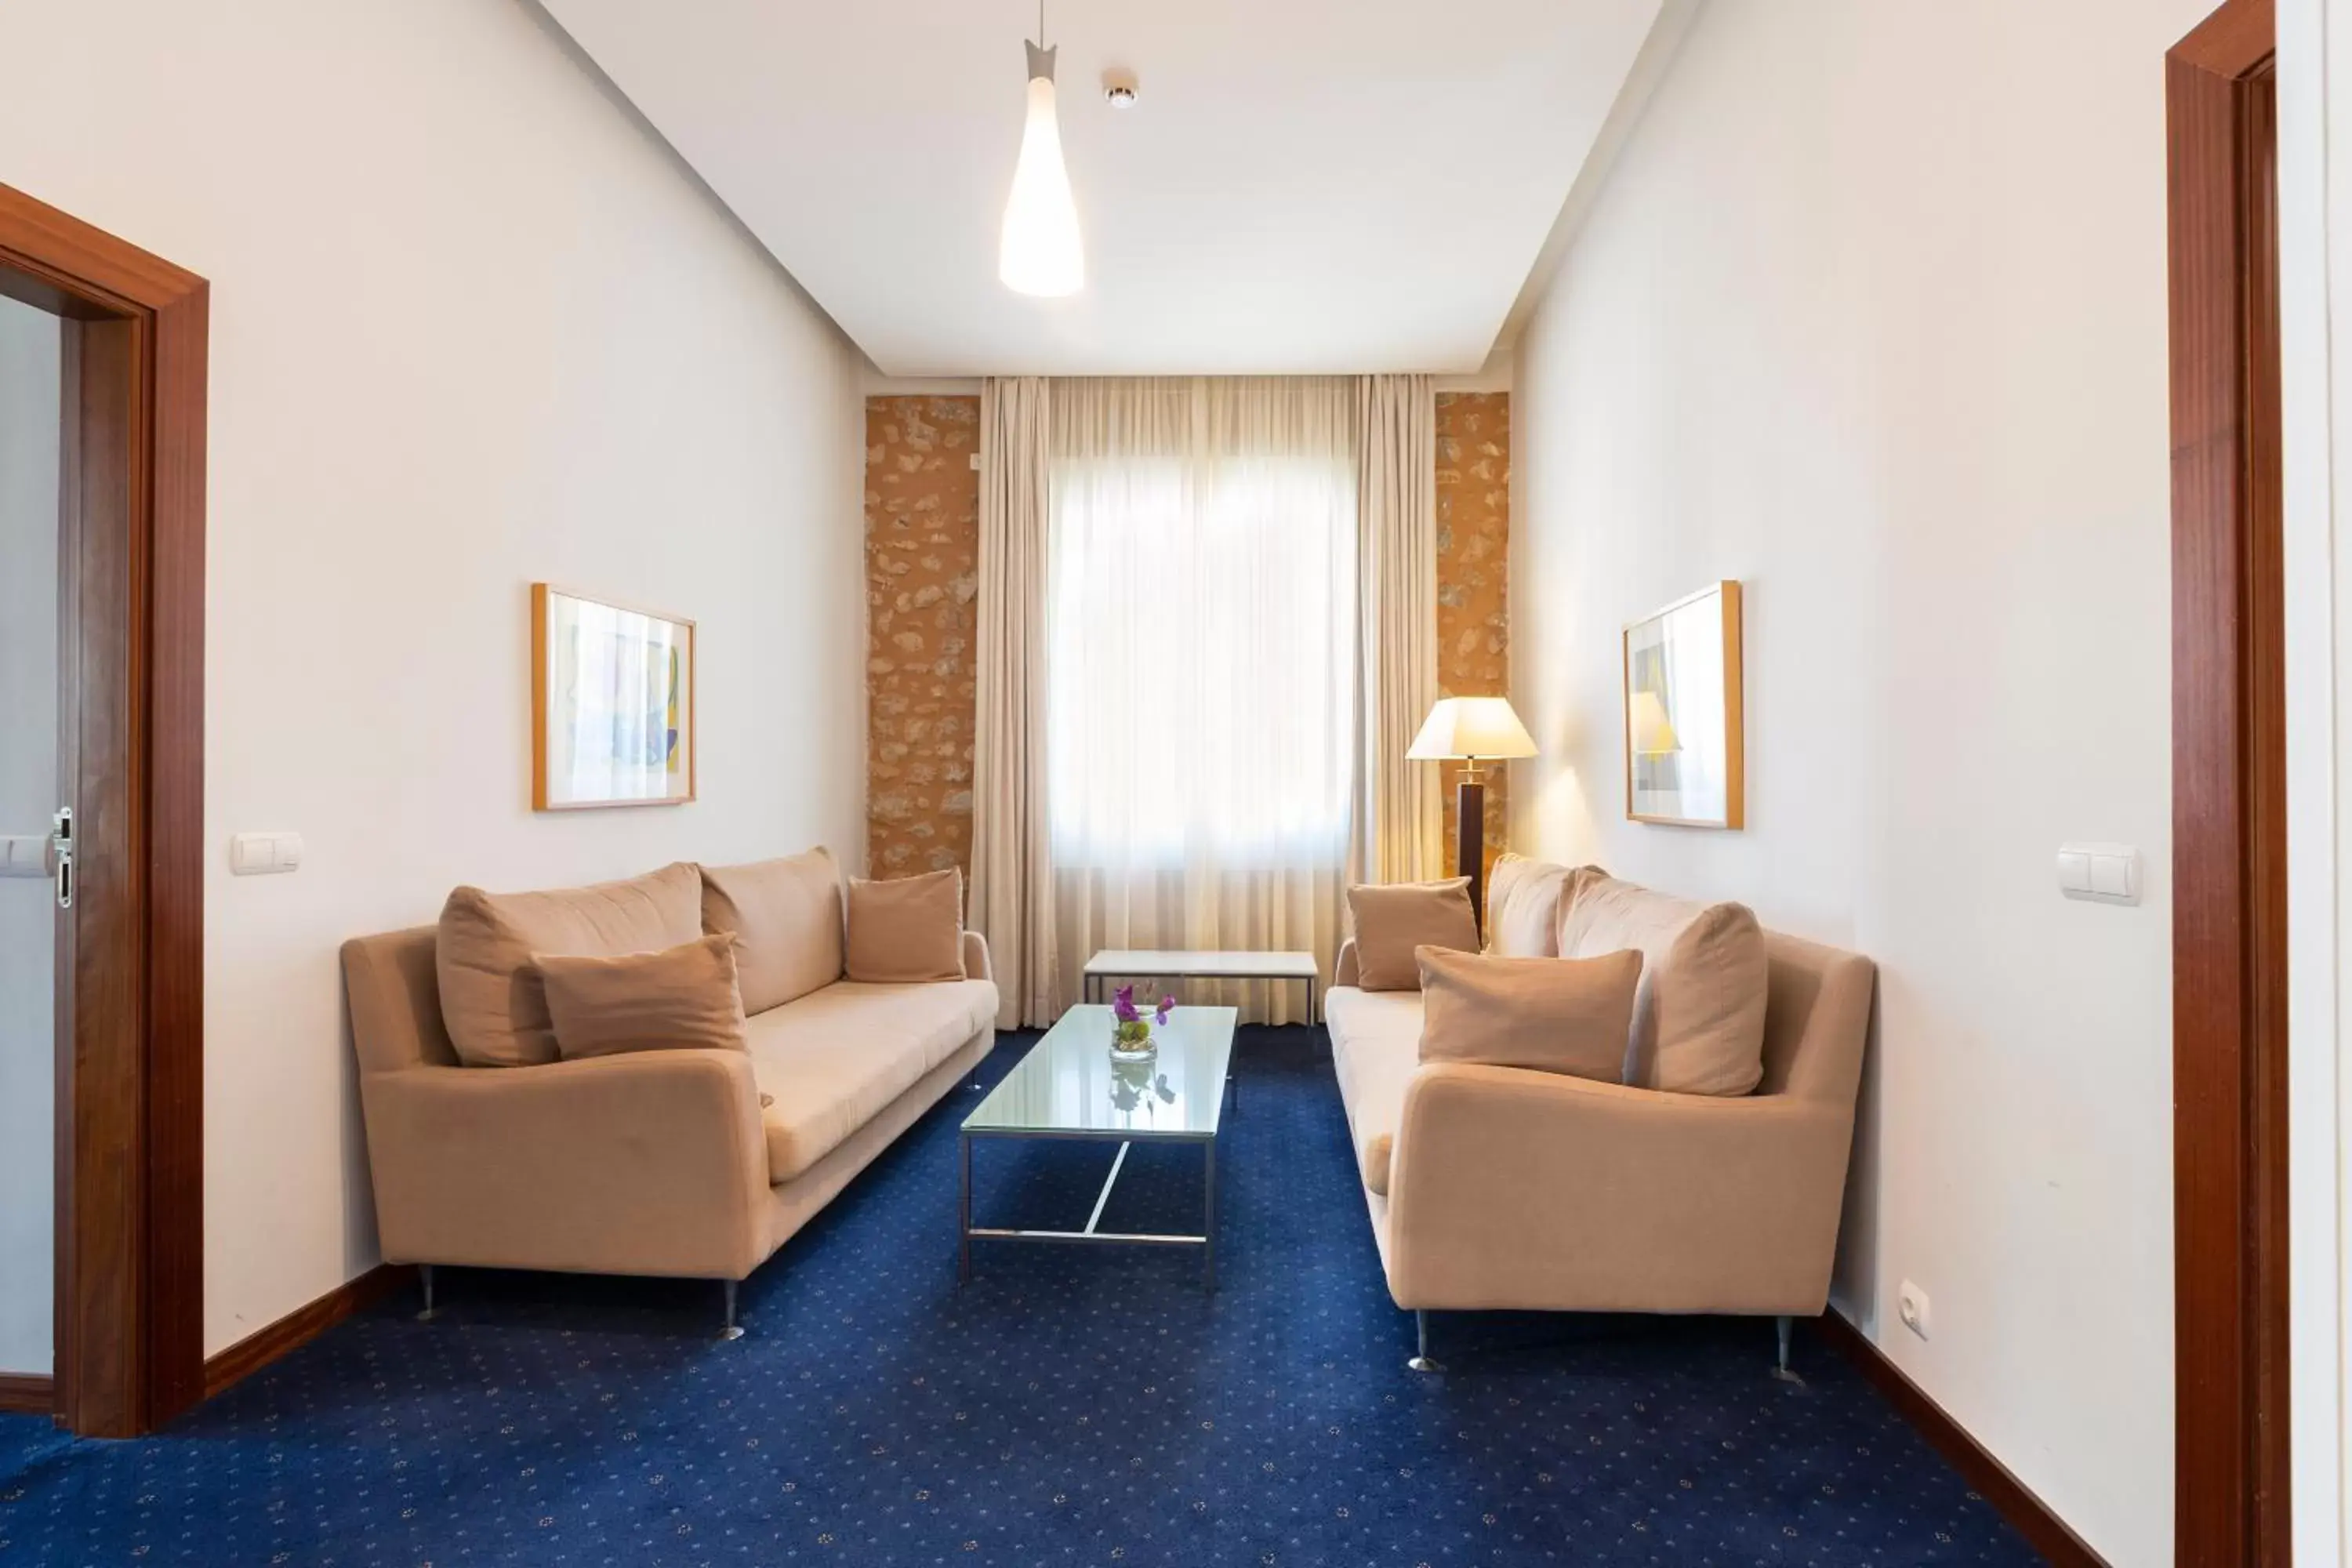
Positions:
{"x": 1346, "y": 970}
{"x": 651, "y": 1162}
{"x": 975, "y": 957}
{"x": 1509, "y": 1188}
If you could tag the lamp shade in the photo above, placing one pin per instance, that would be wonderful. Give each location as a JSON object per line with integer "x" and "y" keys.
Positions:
{"x": 1040, "y": 251}
{"x": 1464, "y": 727}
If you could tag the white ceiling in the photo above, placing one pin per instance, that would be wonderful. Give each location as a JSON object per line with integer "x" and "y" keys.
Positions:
{"x": 1303, "y": 186}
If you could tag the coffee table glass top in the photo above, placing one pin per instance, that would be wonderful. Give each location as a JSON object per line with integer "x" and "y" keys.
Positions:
{"x": 1067, "y": 1084}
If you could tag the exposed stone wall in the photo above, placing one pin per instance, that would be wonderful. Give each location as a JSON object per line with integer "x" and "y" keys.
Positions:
{"x": 922, "y": 564}
{"x": 923, "y": 577}
{"x": 1473, "y": 554}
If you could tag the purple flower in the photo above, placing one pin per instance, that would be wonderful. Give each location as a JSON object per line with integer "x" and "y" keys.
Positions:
{"x": 1159, "y": 1013}
{"x": 1122, "y": 1004}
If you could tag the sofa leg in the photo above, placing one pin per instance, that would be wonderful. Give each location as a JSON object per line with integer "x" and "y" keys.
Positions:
{"x": 1420, "y": 1362}
{"x": 1783, "y": 1325}
{"x": 425, "y": 1277}
{"x": 732, "y": 1329}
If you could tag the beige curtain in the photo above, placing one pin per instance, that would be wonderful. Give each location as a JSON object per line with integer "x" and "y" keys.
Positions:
{"x": 1399, "y": 824}
{"x": 1012, "y": 855}
{"x": 1201, "y": 665}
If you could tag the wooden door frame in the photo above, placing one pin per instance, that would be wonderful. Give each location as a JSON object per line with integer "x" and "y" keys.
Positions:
{"x": 2228, "y": 737}
{"x": 130, "y": 1161}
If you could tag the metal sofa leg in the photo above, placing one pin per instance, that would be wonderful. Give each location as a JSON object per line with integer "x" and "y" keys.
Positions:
{"x": 732, "y": 1329}
{"x": 1420, "y": 1362}
{"x": 425, "y": 1277}
{"x": 1780, "y": 1369}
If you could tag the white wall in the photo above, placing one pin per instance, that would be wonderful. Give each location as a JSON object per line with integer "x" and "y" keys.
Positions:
{"x": 29, "y": 425}
{"x": 1872, "y": 317}
{"x": 471, "y": 327}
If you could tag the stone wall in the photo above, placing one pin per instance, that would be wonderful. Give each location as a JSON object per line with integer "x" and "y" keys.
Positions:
{"x": 922, "y": 579}
{"x": 922, "y": 564}
{"x": 1473, "y": 554}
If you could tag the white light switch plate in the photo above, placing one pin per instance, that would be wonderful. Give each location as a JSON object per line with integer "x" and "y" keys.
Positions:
{"x": 263, "y": 854}
{"x": 2099, "y": 873}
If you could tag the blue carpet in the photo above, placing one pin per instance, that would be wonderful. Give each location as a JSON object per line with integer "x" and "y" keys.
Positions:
{"x": 1069, "y": 1406}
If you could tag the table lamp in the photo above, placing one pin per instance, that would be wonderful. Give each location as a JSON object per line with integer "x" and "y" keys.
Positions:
{"x": 1472, "y": 730}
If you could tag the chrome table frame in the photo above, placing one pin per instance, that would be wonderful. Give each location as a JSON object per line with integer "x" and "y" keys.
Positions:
{"x": 1206, "y": 1241}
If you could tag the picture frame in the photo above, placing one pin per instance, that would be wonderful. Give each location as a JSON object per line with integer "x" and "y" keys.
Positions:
{"x": 612, "y": 703}
{"x": 1684, "y": 712}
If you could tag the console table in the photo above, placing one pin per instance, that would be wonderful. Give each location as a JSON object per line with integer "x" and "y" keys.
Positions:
{"x": 1166, "y": 963}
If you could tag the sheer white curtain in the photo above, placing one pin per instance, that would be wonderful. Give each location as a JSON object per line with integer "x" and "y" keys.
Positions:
{"x": 1201, "y": 668}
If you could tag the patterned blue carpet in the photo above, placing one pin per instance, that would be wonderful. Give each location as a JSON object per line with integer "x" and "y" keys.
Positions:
{"x": 1069, "y": 1406}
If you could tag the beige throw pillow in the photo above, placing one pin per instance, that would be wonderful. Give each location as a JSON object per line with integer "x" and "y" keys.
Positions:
{"x": 908, "y": 931}
{"x": 1553, "y": 1015}
{"x": 785, "y": 917}
{"x": 1523, "y": 907}
{"x": 1392, "y": 920}
{"x": 683, "y": 998}
{"x": 492, "y": 999}
{"x": 1698, "y": 1017}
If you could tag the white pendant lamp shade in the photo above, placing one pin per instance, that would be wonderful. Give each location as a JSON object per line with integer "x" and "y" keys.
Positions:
{"x": 1041, "y": 252}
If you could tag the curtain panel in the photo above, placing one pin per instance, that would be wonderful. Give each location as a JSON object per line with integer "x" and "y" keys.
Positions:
{"x": 1199, "y": 668}
{"x": 1200, "y": 663}
{"x": 1012, "y": 900}
{"x": 1400, "y": 823}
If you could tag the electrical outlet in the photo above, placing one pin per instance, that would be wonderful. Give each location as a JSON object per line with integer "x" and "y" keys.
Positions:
{"x": 1911, "y": 1306}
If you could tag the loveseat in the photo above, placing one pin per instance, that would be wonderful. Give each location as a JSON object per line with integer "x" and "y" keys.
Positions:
{"x": 1505, "y": 1188}
{"x": 690, "y": 1163}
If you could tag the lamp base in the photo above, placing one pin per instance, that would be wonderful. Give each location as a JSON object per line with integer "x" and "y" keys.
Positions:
{"x": 1470, "y": 842}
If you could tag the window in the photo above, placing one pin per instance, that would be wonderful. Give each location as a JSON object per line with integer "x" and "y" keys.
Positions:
{"x": 1201, "y": 627}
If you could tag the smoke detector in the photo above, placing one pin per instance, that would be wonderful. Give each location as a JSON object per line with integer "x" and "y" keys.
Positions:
{"x": 1118, "y": 88}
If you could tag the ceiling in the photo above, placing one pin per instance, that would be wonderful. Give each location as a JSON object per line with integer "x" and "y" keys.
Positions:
{"x": 1302, "y": 186}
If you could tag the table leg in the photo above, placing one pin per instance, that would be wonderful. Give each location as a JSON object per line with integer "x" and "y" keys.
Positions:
{"x": 963, "y": 1216}
{"x": 1209, "y": 1217}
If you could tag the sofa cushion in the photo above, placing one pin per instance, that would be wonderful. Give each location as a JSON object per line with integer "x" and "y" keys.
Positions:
{"x": 1698, "y": 1015}
{"x": 785, "y": 917}
{"x": 829, "y": 1062}
{"x": 1550, "y": 1014}
{"x": 682, "y": 998}
{"x": 1375, "y": 1049}
{"x": 491, "y": 998}
{"x": 1394, "y": 918}
{"x": 1522, "y": 908}
{"x": 907, "y": 932}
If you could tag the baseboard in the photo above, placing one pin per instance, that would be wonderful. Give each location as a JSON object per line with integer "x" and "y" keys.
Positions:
{"x": 299, "y": 1327}
{"x": 1987, "y": 1475}
{"x": 26, "y": 1393}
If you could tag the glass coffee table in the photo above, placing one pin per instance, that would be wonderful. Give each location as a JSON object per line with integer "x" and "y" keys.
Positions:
{"x": 1068, "y": 1087}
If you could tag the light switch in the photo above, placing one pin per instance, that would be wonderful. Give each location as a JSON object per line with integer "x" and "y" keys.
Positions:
{"x": 2099, "y": 873}
{"x": 263, "y": 854}
{"x": 2111, "y": 876}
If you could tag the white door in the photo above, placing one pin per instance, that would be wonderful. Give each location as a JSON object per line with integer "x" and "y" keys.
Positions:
{"x": 31, "y": 423}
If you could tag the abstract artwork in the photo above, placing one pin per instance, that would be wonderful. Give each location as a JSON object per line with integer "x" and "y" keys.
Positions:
{"x": 1684, "y": 752}
{"x": 612, "y": 703}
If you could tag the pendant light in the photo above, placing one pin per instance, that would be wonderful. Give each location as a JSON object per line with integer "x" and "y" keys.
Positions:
{"x": 1041, "y": 252}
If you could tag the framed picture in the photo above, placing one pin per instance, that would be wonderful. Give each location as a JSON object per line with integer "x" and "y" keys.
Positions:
{"x": 612, "y": 703}
{"x": 1682, "y": 719}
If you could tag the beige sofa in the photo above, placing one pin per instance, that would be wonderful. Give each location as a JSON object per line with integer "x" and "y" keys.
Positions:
{"x": 1502, "y": 1188}
{"x": 683, "y": 1162}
